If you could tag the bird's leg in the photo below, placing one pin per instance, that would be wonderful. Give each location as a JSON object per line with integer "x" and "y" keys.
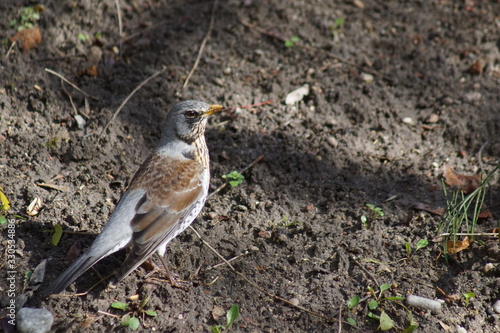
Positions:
{"x": 173, "y": 278}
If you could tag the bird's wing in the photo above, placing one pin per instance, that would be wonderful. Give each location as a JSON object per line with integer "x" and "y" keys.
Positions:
{"x": 173, "y": 189}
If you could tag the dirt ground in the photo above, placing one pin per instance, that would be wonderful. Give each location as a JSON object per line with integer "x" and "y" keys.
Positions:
{"x": 398, "y": 90}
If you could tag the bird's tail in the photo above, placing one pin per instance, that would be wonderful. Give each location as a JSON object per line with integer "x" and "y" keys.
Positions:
{"x": 82, "y": 264}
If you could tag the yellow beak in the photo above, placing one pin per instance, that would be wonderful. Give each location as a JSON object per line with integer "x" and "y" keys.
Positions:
{"x": 213, "y": 109}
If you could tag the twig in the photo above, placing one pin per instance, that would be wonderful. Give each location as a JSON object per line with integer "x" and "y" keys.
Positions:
{"x": 120, "y": 28}
{"x": 71, "y": 83}
{"x": 203, "y": 43}
{"x": 218, "y": 189}
{"x": 229, "y": 260}
{"x": 365, "y": 270}
{"x": 469, "y": 234}
{"x": 10, "y": 49}
{"x": 129, "y": 97}
{"x": 70, "y": 98}
{"x": 256, "y": 286}
{"x": 108, "y": 314}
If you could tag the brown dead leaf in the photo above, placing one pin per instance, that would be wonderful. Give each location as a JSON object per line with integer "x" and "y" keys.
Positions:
{"x": 218, "y": 311}
{"x": 485, "y": 213}
{"x": 455, "y": 247}
{"x": 87, "y": 322}
{"x": 421, "y": 206}
{"x": 90, "y": 71}
{"x": 74, "y": 251}
{"x": 477, "y": 68}
{"x": 466, "y": 184}
{"x": 29, "y": 38}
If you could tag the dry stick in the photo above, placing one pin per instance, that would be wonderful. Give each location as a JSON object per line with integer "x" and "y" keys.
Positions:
{"x": 310, "y": 48}
{"x": 120, "y": 29}
{"x": 71, "y": 83}
{"x": 364, "y": 270}
{"x": 69, "y": 96}
{"x": 218, "y": 189}
{"x": 203, "y": 43}
{"x": 10, "y": 49}
{"x": 256, "y": 286}
{"x": 129, "y": 97}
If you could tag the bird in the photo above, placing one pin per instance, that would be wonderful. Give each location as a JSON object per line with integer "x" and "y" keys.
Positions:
{"x": 164, "y": 197}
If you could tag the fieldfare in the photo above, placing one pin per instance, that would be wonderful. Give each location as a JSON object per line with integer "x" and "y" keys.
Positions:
{"x": 164, "y": 197}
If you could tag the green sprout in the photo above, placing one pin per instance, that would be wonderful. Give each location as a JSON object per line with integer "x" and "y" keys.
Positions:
{"x": 337, "y": 26}
{"x": 420, "y": 245}
{"x": 130, "y": 319}
{"x": 375, "y": 212}
{"x": 234, "y": 177}
{"x": 468, "y": 297}
{"x": 231, "y": 316}
{"x": 28, "y": 17}
{"x": 292, "y": 41}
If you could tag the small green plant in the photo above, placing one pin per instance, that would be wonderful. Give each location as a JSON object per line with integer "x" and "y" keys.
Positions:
{"x": 284, "y": 223}
{"x": 374, "y": 213}
{"x": 28, "y": 17}
{"x": 134, "y": 312}
{"x": 234, "y": 178}
{"x": 82, "y": 37}
{"x": 56, "y": 236}
{"x": 420, "y": 245}
{"x": 337, "y": 26}
{"x": 462, "y": 210}
{"x": 292, "y": 41}
{"x": 467, "y": 297}
{"x": 231, "y": 316}
{"x": 385, "y": 321}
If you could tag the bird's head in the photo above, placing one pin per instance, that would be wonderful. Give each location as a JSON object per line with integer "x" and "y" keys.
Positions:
{"x": 187, "y": 120}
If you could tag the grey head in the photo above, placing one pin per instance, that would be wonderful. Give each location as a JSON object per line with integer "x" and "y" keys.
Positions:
{"x": 187, "y": 121}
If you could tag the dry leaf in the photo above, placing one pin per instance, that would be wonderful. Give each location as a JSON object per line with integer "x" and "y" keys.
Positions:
{"x": 485, "y": 213}
{"x": 34, "y": 207}
{"x": 455, "y": 247}
{"x": 466, "y": 184}
{"x": 74, "y": 251}
{"x": 29, "y": 38}
{"x": 421, "y": 206}
{"x": 218, "y": 311}
{"x": 87, "y": 322}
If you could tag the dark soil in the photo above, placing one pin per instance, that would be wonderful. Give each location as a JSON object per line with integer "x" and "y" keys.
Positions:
{"x": 295, "y": 224}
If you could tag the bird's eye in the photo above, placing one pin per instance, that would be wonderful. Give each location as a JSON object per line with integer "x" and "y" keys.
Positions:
{"x": 191, "y": 114}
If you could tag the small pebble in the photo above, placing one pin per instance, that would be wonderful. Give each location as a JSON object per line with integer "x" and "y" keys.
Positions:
{"x": 94, "y": 55}
{"x": 408, "y": 120}
{"x": 241, "y": 208}
{"x": 488, "y": 267}
{"x": 294, "y": 301}
{"x": 80, "y": 121}
{"x": 332, "y": 141}
{"x": 227, "y": 70}
{"x": 367, "y": 78}
{"x": 460, "y": 329}
{"x": 212, "y": 215}
{"x": 218, "y": 81}
{"x": 432, "y": 119}
{"x": 254, "y": 248}
{"x": 297, "y": 95}
{"x": 472, "y": 96}
{"x": 496, "y": 306}
{"x": 447, "y": 100}
{"x": 31, "y": 320}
